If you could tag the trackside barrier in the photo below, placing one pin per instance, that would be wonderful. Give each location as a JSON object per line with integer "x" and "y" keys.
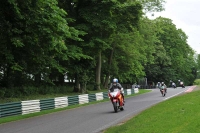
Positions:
{"x": 61, "y": 102}
{"x": 99, "y": 96}
{"x": 9, "y": 109}
{"x": 32, "y": 106}
{"x": 83, "y": 99}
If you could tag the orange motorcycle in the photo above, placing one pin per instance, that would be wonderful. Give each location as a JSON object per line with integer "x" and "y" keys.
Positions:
{"x": 116, "y": 99}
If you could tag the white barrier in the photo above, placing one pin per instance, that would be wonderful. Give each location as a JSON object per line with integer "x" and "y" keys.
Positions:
{"x": 99, "y": 96}
{"x": 128, "y": 91}
{"x": 83, "y": 98}
{"x": 61, "y": 102}
{"x": 136, "y": 90}
{"x": 30, "y": 106}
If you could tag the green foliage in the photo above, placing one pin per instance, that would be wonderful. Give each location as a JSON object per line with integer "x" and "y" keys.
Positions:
{"x": 197, "y": 82}
{"x": 31, "y": 90}
{"x": 35, "y": 38}
{"x": 153, "y": 5}
{"x": 198, "y": 61}
{"x": 173, "y": 58}
{"x": 90, "y": 41}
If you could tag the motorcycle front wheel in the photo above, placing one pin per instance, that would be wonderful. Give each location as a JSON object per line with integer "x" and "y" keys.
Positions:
{"x": 115, "y": 107}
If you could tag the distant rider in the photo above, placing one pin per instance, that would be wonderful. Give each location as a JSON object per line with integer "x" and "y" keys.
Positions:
{"x": 114, "y": 85}
{"x": 158, "y": 84}
{"x": 163, "y": 86}
{"x": 173, "y": 85}
{"x": 181, "y": 83}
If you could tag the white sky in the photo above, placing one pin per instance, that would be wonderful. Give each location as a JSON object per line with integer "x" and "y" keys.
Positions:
{"x": 185, "y": 14}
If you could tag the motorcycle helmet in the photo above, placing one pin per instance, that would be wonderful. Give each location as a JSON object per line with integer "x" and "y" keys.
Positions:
{"x": 115, "y": 81}
{"x": 162, "y": 83}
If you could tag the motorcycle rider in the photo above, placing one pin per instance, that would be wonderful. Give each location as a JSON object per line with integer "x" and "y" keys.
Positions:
{"x": 114, "y": 85}
{"x": 165, "y": 87}
{"x": 181, "y": 83}
{"x": 173, "y": 85}
{"x": 158, "y": 84}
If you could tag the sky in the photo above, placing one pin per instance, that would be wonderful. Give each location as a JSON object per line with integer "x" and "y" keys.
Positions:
{"x": 185, "y": 15}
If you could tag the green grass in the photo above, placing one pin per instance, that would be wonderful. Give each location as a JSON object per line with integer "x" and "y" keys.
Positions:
{"x": 177, "y": 115}
{"x": 20, "y": 117}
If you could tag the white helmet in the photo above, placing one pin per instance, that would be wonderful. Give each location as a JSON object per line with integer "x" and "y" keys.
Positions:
{"x": 115, "y": 80}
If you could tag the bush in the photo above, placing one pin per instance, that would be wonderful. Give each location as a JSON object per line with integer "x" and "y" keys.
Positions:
{"x": 30, "y": 90}
{"x": 197, "y": 82}
{"x": 2, "y": 93}
{"x": 9, "y": 93}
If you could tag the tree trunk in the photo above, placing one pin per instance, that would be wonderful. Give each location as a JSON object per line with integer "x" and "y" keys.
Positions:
{"x": 98, "y": 72}
{"x": 83, "y": 87}
{"x": 9, "y": 77}
{"x": 77, "y": 83}
{"x": 18, "y": 81}
{"x": 61, "y": 79}
{"x": 109, "y": 66}
{"x": 37, "y": 79}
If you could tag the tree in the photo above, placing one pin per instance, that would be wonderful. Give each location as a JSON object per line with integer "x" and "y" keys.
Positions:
{"x": 33, "y": 35}
{"x": 177, "y": 52}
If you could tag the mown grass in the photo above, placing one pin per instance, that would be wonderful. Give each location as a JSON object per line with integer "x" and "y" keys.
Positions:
{"x": 180, "y": 114}
{"x": 20, "y": 117}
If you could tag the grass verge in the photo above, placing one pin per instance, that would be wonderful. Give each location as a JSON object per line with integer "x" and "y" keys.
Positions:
{"x": 177, "y": 115}
{"x": 20, "y": 117}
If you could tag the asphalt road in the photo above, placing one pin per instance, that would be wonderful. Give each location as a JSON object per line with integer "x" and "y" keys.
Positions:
{"x": 91, "y": 118}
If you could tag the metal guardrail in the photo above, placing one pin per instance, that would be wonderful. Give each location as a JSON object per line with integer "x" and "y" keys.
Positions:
{"x": 32, "y": 106}
{"x": 9, "y": 109}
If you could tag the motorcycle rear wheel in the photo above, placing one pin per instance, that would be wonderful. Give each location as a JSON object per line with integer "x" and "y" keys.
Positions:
{"x": 164, "y": 93}
{"x": 121, "y": 108}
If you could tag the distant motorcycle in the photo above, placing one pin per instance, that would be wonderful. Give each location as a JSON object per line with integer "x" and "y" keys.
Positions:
{"x": 116, "y": 99}
{"x": 163, "y": 91}
{"x": 174, "y": 85}
{"x": 182, "y": 85}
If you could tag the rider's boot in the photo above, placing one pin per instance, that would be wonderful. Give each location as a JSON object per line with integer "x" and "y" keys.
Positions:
{"x": 123, "y": 98}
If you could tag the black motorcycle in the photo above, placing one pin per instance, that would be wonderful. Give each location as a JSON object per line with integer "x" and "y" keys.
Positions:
{"x": 174, "y": 86}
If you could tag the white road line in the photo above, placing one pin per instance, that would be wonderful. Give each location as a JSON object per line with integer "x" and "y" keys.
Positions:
{"x": 173, "y": 95}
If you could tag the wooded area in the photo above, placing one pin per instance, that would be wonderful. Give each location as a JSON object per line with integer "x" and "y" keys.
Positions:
{"x": 90, "y": 41}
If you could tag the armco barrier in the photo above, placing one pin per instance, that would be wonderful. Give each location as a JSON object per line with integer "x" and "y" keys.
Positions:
{"x": 31, "y": 106}
{"x": 61, "y": 102}
{"x": 9, "y": 109}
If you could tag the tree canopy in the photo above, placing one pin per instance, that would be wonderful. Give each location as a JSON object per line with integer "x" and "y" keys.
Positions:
{"x": 90, "y": 41}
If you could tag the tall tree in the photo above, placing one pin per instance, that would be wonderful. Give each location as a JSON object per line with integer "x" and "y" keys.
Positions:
{"x": 33, "y": 35}
{"x": 178, "y": 52}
